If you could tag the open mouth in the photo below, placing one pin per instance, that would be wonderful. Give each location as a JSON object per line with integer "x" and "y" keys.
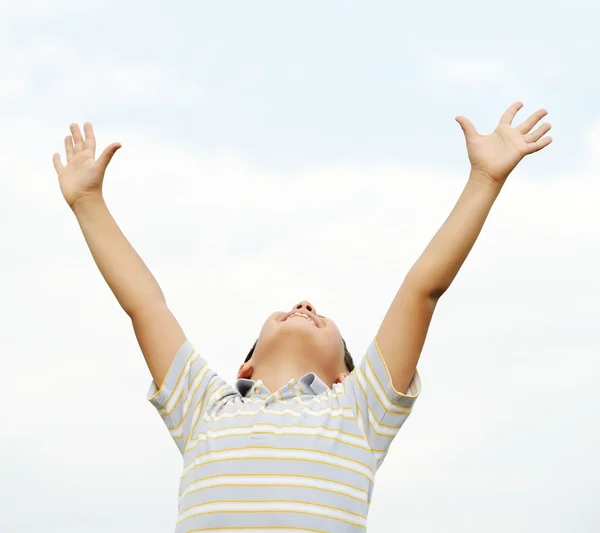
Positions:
{"x": 303, "y": 315}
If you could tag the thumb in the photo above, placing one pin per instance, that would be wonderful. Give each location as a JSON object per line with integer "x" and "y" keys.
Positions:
{"x": 107, "y": 155}
{"x": 467, "y": 126}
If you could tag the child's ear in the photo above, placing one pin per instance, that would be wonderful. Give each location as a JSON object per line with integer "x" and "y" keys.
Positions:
{"x": 245, "y": 371}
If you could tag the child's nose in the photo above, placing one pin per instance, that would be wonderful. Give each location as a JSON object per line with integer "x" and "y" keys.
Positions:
{"x": 305, "y": 306}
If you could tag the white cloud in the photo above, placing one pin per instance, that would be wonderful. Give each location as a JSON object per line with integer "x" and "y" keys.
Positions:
{"x": 553, "y": 70}
{"x": 52, "y": 73}
{"x": 593, "y": 143}
{"x": 471, "y": 69}
{"x": 43, "y": 8}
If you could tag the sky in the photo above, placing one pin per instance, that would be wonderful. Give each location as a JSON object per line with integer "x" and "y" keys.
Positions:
{"x": 275, "y": 152}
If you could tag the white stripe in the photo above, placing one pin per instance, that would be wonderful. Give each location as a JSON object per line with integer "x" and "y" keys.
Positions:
{"x": 389, "y": 407}
{"x": 217, "y": 394}
{"x": 274, "y": 481}
{"x": 282, "y": 431}
{"x": 194, "y": 387}
{"x": 284, "y": 507}
{"x": 182, "y": 382}
{"x": 382, "y": 394}
{"x": 281, "y": 453}
{"x": 307, "y": 399}
{"x": 374, "y": 421}
{"x": 345, "y": 412}
{"x": 253, "y": 530}
{"x": 360, "y": 422}
{"x": 383, "y": 431}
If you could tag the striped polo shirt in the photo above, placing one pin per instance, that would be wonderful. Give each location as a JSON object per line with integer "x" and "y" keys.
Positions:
{"x": 302, "y": 458}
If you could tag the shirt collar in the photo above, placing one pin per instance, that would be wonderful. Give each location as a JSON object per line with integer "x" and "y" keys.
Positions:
{"x": 308, "y": 385}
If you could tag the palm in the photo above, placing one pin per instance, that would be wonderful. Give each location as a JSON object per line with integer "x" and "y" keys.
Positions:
{"x": 82, "y": 174}
{"x": 497, "y": 154}
{"x": 78, "y": 176}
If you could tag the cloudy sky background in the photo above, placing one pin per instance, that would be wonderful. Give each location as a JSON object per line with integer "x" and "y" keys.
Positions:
{"x": 276, "y": 151}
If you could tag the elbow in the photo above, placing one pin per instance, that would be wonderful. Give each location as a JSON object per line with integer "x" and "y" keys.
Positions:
{"x": 425, "y": 290}
{"x": 144, "y": 306}
{"x": 436, "y": 293}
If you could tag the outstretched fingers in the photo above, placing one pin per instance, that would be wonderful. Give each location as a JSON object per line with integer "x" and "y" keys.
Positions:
{"x": 90, "y": 138}
{"x": 77, "y": 138}
{"x": 527, "y": 125}
{"x": 510, "y": 113}
{"x": 537, "y": 139}
{"x": 536, "y": 135}
{"x": 58, "y": 166}
{"x": 538, "y": 145}
{"x": 69, "y": 148}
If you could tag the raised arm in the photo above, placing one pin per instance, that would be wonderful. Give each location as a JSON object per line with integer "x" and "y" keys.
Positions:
{"x": 157, "y": 331}
{"x": 493, "y": 157}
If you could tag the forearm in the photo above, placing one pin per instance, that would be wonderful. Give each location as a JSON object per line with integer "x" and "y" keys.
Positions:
{"x": 123, "y": 269}
{"x": 439, "y": 264}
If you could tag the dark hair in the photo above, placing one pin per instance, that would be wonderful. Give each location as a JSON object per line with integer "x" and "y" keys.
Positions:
{"x": 347, "y": 357}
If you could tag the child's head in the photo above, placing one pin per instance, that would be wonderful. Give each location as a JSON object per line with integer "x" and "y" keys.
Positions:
{"x": 294, "y": 343}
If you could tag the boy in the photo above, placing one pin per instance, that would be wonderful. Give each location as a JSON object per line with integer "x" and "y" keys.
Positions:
{"x": 295, "y": 445}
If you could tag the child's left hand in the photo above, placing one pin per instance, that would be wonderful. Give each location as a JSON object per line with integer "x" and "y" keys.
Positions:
{"x": 496, "y": 155}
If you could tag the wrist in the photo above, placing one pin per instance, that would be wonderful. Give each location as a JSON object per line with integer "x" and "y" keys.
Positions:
{"x": 86, "y": 202}
{"x": 483, "y": 179}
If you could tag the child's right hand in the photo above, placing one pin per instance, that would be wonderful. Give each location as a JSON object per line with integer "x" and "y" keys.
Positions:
{"x": 83, "y": 174}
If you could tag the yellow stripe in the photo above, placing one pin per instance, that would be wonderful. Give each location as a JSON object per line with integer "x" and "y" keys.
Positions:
{"x": 278, "y": 485}
{"x": 372, "y": 416}
{"x": 248, "y": 528}
{"x": 391, "y": 405}
{"x": 277, "y": 448}
{"x": 364, "y": 446}
{"x": 304, "y": 513}
{"x": 178, "y": 379}
{"x": 273, "y": 511}
{"x": 209, "y": 392}
{"x": 343, "y": 412}
{"x": 267, "y": 458}
{"x": 324, "y": 506}
{"x": 364, "y": 420}
{"x": 215, "y": 384}
{"x": 283, "y": 428}
{"x": 389, "y": 408}
{"x": 358, "y": 409}
{"x": 280, "y": 528}
{"x": 390, "y": 377}
{"x": 167, "y": 415}
{"x": 302, "y": 476}
{"x": 388, "y": 405}
{"x": 184, "y": 414}
{"x": 191, "y": 441}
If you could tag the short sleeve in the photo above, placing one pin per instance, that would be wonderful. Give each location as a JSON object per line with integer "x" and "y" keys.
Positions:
{"x": 380, "y": 409}
{"x": 186, "y": 393}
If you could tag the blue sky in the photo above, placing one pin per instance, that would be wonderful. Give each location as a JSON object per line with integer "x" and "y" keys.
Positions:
{"x": 276, "y": 151}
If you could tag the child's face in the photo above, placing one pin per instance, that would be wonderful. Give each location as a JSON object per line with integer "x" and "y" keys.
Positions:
{"x": 303, "y": 331}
